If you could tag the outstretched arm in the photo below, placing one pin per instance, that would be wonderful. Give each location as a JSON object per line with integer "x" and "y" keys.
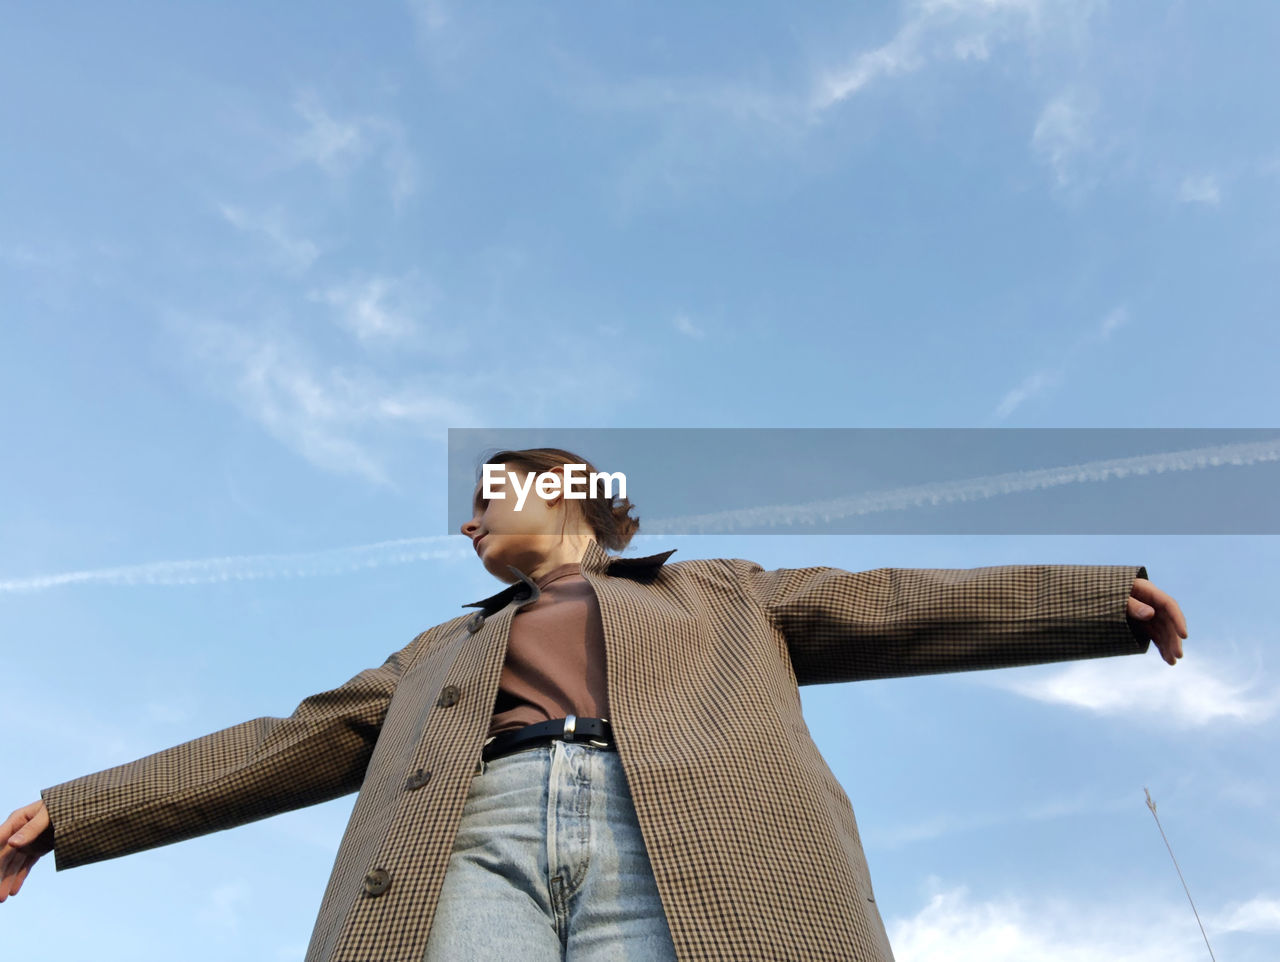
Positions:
{"x": 239, "y": 774}
{"x": 846, "y": 626}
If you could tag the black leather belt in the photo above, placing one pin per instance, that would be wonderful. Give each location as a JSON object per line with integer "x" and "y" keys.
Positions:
{"x": 591, "y": 731}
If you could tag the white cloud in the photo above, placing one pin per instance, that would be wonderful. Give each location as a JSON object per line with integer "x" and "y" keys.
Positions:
{"x": 1200, "y": 190}
{"x": 685, "y": 326}
{"x": 1032, "y": 385}
{"x": 333, "y": 415}
{"x": 1115, "y": 318}
{"x": 339, "y": 146}
{"x": 900, "y": 55}
{"x": 329, "y": 143}
{"x": 1063, "y": 139}
{"x": 941, "y": 30}
{"x": 297, "y": 253}
{"x": 1193, "y": 694}
{"x": 1260, "y": 914}
{"x": 378, "y": 308}
{"x": 954, "y": 927}
{"x": 1046, "y": 379}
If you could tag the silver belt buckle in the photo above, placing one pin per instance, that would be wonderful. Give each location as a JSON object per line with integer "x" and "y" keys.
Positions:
{"x": 570, "y": 726}
{"x": 599, "y": 743}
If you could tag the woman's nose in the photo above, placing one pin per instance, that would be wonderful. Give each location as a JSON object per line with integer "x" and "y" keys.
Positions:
{"x": 469, "y": 527}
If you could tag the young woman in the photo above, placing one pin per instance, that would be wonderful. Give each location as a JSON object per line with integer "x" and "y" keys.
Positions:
{"x": 606, "y": 759}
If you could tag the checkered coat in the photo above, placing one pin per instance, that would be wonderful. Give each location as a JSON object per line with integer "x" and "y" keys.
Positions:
{"x": 753, "y": 842}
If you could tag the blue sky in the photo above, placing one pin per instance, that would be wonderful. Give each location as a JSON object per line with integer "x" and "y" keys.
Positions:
{"x": 254, "y": 264}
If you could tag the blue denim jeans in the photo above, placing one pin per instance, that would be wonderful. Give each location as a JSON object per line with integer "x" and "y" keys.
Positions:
{"x": 549, "y": 864}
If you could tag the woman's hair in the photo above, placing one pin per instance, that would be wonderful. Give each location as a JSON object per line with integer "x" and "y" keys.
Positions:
{"x": 610, "y": 518}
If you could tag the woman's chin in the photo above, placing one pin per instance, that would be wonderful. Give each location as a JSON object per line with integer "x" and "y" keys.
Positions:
{"x": 496, "y": 565}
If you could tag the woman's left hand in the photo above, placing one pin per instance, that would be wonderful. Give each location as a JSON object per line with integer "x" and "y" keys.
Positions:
{"x": 1160, "y": 616}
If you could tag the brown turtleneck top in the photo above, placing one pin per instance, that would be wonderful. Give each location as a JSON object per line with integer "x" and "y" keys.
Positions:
{"x": 555, "y": 655}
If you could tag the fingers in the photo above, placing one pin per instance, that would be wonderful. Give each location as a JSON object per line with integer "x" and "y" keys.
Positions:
{"x": 1166, "y": 624}
{"x": 19, "y": 830}
{"x": 26, "y": 825}
{"x": 34, "y": 815}
{"x": 11, "y": 825}
{"x": 1143, "y": 591}
{"x": 16, "y": 865}
{"x": 22, "y": 875}
{"x": 1139, "y": 610}
{"x": 1167, "y": 640}
{"x": 1179, "y": 620}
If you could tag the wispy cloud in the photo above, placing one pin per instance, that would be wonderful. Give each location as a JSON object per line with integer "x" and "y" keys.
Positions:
{"x": 1260, "y": 914}
{"x": 900, "y": 55}
{"x": 683, "y": 324}
{"x": 1047, "y": 379}
{"x": 1064, "y": 140}
{"x": 377, "y": 309}
{"x": 308, "y": 564}
{"x": 1200, "y": 190}
{"x": 706, "y": 125}
{"x": 339, "y": 417}
{"x": 339, "y": 146}
{"x": 951, "y": 823}
{"x": 938, "y": 31}
{"x": 1035, "y": 383}
{"x": 1115, "y": 318}
{"x": 331, "y": 144}
{"x": 296, "y": 253}
{"x": 1199, "y": 693}
{"x": 955, "y": 927}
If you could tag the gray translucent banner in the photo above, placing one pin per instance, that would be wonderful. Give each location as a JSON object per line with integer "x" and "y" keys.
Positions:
{"x": 915, "y": 480}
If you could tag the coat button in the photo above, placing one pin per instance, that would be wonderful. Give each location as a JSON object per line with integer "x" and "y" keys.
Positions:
{"x": 449, "y": 695}
{"x": 377, "y": 881}
{"x": 475, "y": 623}
{"x": 417, "y": 779}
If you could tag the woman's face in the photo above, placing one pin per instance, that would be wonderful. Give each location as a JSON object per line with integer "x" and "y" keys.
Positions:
{"x": 528, "y": 539}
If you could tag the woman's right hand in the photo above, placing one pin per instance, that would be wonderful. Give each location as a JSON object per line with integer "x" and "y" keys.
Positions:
{"x": 27, "y": 834}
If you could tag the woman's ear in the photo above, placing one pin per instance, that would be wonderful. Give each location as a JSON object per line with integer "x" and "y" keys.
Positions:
{"x": 557, "y": 499}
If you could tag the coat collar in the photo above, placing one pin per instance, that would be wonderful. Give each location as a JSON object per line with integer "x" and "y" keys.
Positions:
{"x": 596, "y": 560}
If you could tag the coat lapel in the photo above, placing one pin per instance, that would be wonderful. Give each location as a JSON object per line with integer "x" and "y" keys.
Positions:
{"x": 596, "y": 560}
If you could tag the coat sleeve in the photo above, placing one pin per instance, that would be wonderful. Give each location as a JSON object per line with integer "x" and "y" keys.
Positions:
{"x": 848, "y": 626}
{"x": 237, "y": 775}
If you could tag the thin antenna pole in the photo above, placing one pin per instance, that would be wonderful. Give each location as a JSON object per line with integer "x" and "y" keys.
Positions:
{"x": 1152, "y": 805}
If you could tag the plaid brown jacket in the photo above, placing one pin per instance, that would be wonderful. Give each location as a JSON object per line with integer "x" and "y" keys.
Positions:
{"x": 753, "y": 842}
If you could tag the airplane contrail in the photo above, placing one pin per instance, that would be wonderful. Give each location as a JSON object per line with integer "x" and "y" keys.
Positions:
{"x": 968, "y": 489}
{"x": 451, "y": 547}
{"x": 306, "y": 564}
